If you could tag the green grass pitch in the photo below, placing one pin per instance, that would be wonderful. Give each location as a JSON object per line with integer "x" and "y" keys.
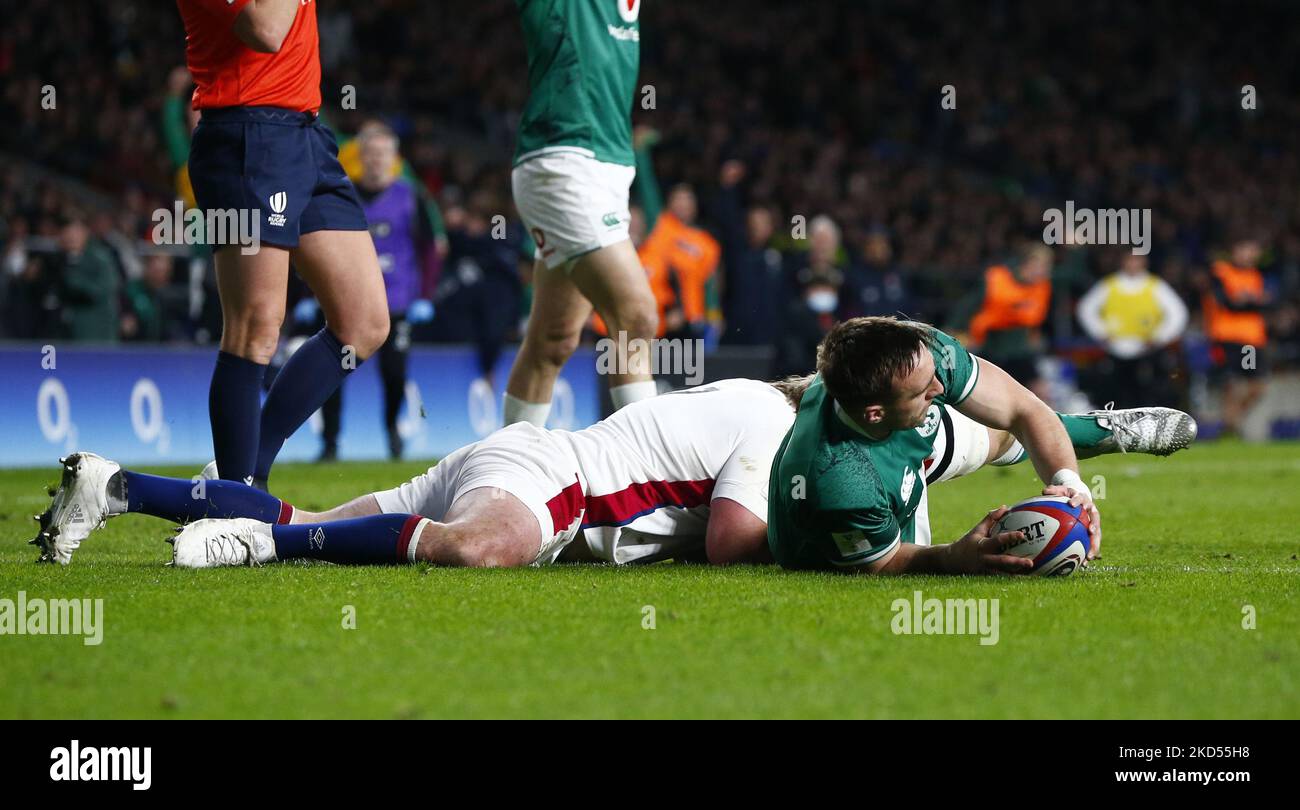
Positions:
{"x": 1154, "y": 629}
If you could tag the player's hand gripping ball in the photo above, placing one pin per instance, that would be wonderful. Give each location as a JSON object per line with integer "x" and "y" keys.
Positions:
{"x": 1056, "y": 534}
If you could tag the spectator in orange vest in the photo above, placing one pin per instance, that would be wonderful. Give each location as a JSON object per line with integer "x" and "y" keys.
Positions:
{"x": 1233, "y": 307}
{"x": 682, "y": 261}
{"x": 1014, "y": 302}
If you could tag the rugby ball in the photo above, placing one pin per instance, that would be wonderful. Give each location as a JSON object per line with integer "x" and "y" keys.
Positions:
{"x": 1056, "y": 534}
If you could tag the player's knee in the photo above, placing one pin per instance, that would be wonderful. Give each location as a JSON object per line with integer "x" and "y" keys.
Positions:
{"x": 365, "y": 332}
{"x": 638, "y": 317}
{"x": 488, "y": 552}
{"x": 557, "y": 347}
{"x": 253, "y": 333}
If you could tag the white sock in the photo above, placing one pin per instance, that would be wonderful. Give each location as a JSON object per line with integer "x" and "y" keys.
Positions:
{"x": 518, "y": 410}
{"x": 632, "y": 392}
{"x": 1015, "y": 455}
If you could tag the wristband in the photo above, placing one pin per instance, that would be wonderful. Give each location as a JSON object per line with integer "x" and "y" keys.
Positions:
{"x": 1069, "y": 478}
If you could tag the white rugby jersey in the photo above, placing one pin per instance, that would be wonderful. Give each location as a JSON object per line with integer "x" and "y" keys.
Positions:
{"x": 649, "y": 471}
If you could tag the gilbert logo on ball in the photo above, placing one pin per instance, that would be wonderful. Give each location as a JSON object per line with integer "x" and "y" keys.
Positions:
{"x": 1056, "y": 534}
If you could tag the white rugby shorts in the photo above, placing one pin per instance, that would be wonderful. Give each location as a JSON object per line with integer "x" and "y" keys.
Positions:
{"x": 521, "y": 459}
{"x": 571, "y": 203}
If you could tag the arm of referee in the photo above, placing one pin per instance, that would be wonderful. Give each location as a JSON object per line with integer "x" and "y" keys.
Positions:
{"x": 263, "y": 24}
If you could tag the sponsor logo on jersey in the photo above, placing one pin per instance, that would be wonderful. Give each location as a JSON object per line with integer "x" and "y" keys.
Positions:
{"x": 909, "y": 481}
{"x": 611, "y": 219}
{"x": 279, "y": 201}
{"x": 850, "y": 543}
{"x": 625, "y": 33}
{"x": 628, "y": 9}
{"x": 931, "y": 423}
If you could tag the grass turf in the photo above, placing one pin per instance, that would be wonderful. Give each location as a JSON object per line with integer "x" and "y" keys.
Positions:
{"x": 1154, "y": 629}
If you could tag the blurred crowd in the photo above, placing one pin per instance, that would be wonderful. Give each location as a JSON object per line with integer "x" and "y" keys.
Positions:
{"x": 844, "y": 158}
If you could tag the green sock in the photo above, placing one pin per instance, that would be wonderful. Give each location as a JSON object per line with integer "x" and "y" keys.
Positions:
{"x": 1085, "y": 433}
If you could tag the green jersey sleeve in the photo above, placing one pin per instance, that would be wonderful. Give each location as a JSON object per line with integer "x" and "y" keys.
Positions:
{"x": 856, "y": 523}
{"x": 955, "y": 366}
{"x": 858, "y": 537}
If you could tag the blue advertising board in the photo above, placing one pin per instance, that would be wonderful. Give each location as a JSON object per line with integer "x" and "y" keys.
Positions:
{"x": 150, "y": 405}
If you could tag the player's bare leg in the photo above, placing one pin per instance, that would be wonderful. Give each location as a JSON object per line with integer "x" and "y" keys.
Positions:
{"x": 365, "y": 506}
{"x": 559, "y": 310}
{"x": 485, "y": 528}
{"x": 341, "y": 268}
{"x": 343, "y": 271}
{"x": 252, "y": 290}
{"x": 612, "y": 280}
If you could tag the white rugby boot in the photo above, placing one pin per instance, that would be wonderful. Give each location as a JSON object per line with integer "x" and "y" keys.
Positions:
{"x": 214, "y": 543}
{"x": 88, "y": 495}
{"x": 1158, "y": 431}
{"x": 210, "y": 473}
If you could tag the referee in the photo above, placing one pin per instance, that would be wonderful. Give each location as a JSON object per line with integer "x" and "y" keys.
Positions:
{"x": 259, "y": 150}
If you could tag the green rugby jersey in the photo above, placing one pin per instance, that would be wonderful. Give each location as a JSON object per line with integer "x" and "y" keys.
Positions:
{"x": 836, "y": 496}
{"x": 583, "y": 57}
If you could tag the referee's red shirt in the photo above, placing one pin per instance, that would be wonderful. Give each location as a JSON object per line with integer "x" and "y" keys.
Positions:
{"x": 227, "y": 73}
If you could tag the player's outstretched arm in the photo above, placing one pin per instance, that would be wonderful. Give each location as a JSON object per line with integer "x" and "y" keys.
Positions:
{"x": 264, "y": 24}
{"x": 978, "y": 552}
{"x": 1000, "y": 402}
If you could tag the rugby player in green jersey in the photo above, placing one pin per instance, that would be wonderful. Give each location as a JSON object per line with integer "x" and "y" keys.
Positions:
{"x": 896, "y": 406}
{"x": 573, "y": 168}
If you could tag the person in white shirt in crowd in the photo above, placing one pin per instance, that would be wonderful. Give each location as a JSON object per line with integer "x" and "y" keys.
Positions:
{"x": 1135, "y": 314}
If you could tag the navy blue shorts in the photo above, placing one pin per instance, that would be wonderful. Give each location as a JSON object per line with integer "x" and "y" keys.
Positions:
{"x": 281, "y": 166}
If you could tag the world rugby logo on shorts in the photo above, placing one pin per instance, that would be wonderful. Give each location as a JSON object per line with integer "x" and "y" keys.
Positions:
{"x": 629, "y": 9}
{"x": 279, "y": 201}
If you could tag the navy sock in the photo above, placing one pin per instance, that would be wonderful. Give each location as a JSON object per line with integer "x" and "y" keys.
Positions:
{"x": 235, "y": 412}
{"x": 310, "y": 377}
{"x": 374, "y": 540}
{"x": 175, "y": 499}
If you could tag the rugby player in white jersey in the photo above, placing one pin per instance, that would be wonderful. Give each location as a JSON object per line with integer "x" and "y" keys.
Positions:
{"x": 682, "y": 475}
